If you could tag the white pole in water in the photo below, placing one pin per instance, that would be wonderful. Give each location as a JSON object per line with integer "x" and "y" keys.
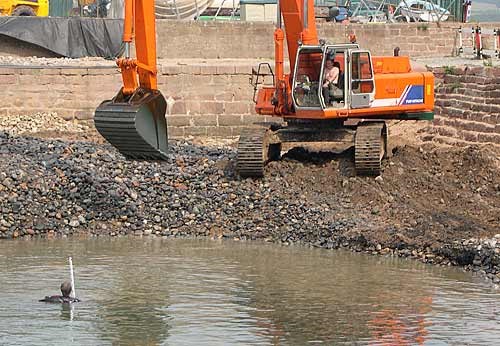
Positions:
{"x": 73, "y": 291}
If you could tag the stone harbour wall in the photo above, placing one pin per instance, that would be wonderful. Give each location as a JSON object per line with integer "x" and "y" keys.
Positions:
{"x": 214, "y": 97}
{"x": 219, "y": 40}
{"x": 205, "y": 99}
{"x": 468, "y": 103}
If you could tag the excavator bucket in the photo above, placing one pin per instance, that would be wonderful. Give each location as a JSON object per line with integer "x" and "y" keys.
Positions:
{"x": 135, "y": 125}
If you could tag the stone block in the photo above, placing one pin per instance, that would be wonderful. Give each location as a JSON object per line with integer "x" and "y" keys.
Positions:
{"x": 49, "y": 71}
{"x": 450, "y": 79}
{"x": 209, "y": 107}
{"x": 222, "y": 82}
{"x": 104, "y": 71}
{"x": 84, "y": 114}
{"x": 226, "y": 69}
{"x": 219, "y": 131}
{"x": 71, "y": 80}
{"x": 196, "y": 131}
{"x": 192, "y": 107}
{"x": 9, "y": 71}
{"x": 468, "y": 136}
{"x": 243, "y": 69}
{"x": 179, "y": 120}
{"x": 66, "y": 114}
{"x": 480, "y": 107}
{"x": 224, "y": 96}
{"x": 171, "y": 69}
{"x": 208, "y": 69}
{"x": 179, "y": 107}
{"x": 237, "y": 107}
{"x": 494, "y": 94}
{"x": 77, "y": 72}
{"x": 174, "y": 132}
{"x": 205, "y": 120}
{"x": 230, "y": 120}
{"x": 8, "y": 79}
{"x": 243, "y": 94}
{"x": 488, "y": 138}
{"x": 252, "y": 119}
{"x": 191, "y": 69}
{"x": 192, "y": 82}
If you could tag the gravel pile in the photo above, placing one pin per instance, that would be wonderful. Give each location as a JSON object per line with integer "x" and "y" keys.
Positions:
{"x": 424, "y": 207}
{"x": 57, "y": 187}
{"x": 54, "y": 62}
{"x": 39, "y": 122}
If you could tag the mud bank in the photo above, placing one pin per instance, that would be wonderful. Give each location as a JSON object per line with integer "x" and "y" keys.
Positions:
{"x": 438, "y": 204}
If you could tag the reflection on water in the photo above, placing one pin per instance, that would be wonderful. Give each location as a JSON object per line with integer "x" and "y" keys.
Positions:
{"x": 190, "y": 292}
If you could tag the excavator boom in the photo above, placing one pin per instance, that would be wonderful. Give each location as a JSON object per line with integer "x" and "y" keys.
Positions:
{"x": 134, "y": 120}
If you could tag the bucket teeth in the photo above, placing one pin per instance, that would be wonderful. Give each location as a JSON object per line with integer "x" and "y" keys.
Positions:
{"x": 138, "y": 130}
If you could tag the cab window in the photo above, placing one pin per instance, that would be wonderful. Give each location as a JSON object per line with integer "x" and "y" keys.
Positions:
{"x": 307, "y": 78}
{"x": 362, "y": 76}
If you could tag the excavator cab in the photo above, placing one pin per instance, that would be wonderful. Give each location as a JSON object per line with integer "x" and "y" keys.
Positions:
{"x": 355, "y": 86}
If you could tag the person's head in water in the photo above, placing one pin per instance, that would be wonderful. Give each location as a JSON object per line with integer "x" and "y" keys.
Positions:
{"x": 66, "y": 289}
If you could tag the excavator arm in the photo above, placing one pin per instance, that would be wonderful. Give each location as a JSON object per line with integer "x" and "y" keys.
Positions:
{"x": 134, "y": 120}
{"x": 139, "y": 22}
{"x": 299, "y": 21}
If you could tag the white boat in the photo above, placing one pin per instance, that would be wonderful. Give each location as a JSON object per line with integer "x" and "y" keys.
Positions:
{"x": 226, "y": 3}
{"x": 180, "y": 9}
{"x": 422, "y": 11}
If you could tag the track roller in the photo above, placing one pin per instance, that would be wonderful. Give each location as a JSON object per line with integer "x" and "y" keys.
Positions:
{"x": 370, "y": 147}
{"x": 254, "y": 151}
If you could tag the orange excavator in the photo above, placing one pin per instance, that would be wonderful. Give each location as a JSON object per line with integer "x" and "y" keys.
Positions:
{"x": 366, "y": 89}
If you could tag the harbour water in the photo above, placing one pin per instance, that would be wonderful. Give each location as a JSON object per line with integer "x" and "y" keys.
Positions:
{"x": 153, "y": 291}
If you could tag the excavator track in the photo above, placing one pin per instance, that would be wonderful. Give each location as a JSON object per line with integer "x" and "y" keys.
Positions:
{"x": 252, "y": 153}
{"x": 369, "y": 145}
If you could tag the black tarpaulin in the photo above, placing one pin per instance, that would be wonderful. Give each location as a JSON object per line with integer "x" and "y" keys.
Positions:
{"x": 72, "y": 37}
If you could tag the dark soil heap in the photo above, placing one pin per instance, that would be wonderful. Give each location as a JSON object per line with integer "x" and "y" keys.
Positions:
{"x": 428, "y": 202}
